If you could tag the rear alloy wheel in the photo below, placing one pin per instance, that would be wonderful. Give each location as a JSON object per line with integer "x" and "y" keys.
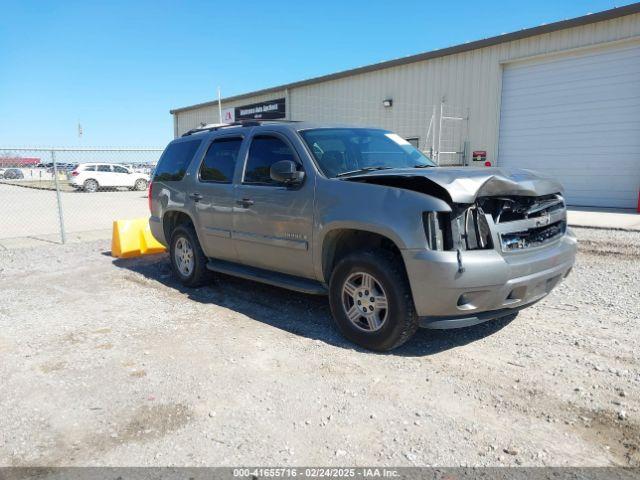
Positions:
{"x": 183, "y": 256}
{"x": 141, "y": 184}
{"x": 371, "y": 301}
{"x": 90, "y": 186}
{"x": 188, "y": 261}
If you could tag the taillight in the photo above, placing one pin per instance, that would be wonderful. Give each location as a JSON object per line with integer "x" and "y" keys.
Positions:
{"x": 149, "y": 195}
{"x": 75, "y": 173}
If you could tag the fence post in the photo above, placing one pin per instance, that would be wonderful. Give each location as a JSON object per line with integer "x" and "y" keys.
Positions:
{"x": 63, "y": 236}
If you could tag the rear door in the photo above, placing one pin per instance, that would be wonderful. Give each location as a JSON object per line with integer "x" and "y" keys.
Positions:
{"x": 213, "y": 196}
{"x": 122, "y": 177}
{"x": 273, "y": 223}
{"x": 104, "y": 175}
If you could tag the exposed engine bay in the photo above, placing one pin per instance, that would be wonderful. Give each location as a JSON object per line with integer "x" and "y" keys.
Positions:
{"x": 517, "y": 210}
{"x": 518, "y": 222}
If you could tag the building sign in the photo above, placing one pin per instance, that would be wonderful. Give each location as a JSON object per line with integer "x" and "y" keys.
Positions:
{"x": 228, "y": 115}
{"x": 479, "y": 156}
{"x": 268, "y": 110}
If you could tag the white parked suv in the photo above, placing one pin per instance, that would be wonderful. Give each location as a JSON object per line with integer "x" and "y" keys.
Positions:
{"x": 92, "y": 176}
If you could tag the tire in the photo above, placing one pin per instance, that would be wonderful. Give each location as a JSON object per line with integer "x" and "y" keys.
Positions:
{"x": 140, "y": 185}
{"x": 196, "y": 274}
{"x": 90, "y": 185}
{"x": 395, "y": 325}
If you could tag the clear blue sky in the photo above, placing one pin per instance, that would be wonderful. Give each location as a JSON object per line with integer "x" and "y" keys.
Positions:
{"x": 119, "y": 66}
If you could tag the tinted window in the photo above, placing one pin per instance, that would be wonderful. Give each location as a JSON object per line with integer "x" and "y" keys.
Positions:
{"x": 264, "y": 152}
{"x": 220, "y": 161}
{"x": 104, "y": 168}
{"x": 175, "y": 160}
{"x": 118, "y": 169}
{"x": 90, "y": 168}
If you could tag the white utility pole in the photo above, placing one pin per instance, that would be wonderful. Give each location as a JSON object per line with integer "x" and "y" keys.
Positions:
{"x": 219, "y": 105}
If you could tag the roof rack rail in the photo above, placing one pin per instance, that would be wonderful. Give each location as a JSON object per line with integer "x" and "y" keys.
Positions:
{"x": 242, "y": 123}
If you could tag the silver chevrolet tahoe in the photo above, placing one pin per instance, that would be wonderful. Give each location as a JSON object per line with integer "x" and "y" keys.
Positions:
{"x": 360, "y": 215}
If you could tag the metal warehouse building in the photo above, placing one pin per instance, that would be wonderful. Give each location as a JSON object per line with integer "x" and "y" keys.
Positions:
{"x": 562, "y": 98}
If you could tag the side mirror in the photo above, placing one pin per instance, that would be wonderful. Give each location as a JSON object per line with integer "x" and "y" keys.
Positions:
{"x": 286, "y": 171}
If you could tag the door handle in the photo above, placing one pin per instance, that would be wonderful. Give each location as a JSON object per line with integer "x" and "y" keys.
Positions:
{"x": 195, "y": 196}
{"x": 245, "y": 202}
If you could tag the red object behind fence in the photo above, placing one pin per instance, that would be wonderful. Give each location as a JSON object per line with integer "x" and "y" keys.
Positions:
{"x": 18, "y": 161}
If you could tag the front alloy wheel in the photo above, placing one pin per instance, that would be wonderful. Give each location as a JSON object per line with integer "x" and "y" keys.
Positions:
{"x": 371, "y": 300}
{"x": 364, "y": 301}
{"x": 141, "y": 184}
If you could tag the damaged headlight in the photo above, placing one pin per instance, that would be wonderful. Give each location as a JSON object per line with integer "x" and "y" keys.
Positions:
{"x": 436, "y": 229}
{"x": 477, "y": 231}
{"x": 465, "y": 228}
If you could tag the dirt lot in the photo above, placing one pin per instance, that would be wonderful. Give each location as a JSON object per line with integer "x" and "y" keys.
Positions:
{"x": 109, "y": 362}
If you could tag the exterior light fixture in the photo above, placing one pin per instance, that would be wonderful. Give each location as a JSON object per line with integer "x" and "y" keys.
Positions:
{"x": 387, "y": 102}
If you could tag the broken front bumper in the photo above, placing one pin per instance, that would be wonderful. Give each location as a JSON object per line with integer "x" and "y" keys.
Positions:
{"x": 491, "y": 284}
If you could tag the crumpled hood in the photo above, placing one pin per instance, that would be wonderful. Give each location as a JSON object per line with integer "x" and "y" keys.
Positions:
{"x": 465, "y": 184}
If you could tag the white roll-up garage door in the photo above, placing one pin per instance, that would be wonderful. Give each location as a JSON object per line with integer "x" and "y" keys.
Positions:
{"x": 577, "y": 119}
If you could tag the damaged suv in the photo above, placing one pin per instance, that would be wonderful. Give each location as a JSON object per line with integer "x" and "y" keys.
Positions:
{"x": 361, "y": 215}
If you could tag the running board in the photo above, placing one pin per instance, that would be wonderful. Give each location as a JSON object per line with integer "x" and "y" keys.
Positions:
{"x": 276, "y": 279}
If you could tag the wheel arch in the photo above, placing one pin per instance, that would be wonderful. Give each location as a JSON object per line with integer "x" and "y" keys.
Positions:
{"x": 172, "y": 218}
{"x": 340, "y": 241}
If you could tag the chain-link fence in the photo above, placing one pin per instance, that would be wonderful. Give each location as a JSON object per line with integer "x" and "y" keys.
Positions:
{"x": 57, "y": 194}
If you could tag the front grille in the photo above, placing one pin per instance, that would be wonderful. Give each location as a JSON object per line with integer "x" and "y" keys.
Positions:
{"x": 533, "y": 237}
{"x": 527, "y": 222}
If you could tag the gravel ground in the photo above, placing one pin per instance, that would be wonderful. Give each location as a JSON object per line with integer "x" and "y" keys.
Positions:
{"x": 110, "y": 362}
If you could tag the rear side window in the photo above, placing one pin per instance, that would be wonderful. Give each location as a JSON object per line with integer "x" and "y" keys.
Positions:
{"x": 175, "y": 160}
{"x": 90, "y": 168}
{"x": 220, "y": 161}
{"x": 264, "y": 152}
{"x": 104, "y": 168}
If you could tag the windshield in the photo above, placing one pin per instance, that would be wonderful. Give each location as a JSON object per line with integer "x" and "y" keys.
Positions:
{"x": 341, "y": 151}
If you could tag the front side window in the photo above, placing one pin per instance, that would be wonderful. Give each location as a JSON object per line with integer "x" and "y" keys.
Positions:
{"x": 340, "y": 151}
{"x": 175, "y": 160}
{"x": 118, "y": 169}
{"x": 265, "y": 151}
{"x": 220, "y": 160}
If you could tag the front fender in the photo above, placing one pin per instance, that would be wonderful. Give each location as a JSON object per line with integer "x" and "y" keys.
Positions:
{"x": 392, "y": 212}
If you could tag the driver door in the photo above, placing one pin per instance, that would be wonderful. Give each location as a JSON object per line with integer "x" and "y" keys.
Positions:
{"x": 272, "y": 222}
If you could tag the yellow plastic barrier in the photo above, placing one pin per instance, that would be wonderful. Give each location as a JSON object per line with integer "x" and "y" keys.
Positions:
{"x": 132, "y": 238}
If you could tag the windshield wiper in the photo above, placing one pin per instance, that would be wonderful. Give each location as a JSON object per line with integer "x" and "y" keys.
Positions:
{"x": 426, "y": 165}
{"x": 360, "y": 170}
